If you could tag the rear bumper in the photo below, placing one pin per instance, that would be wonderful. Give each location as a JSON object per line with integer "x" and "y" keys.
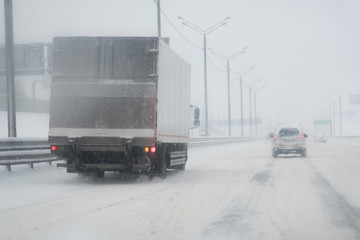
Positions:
{"x": 107, "y": 167}
{"x": 296, "y": 149}
{"x": 100, "y": 142}
{"x": 103, "y": 153}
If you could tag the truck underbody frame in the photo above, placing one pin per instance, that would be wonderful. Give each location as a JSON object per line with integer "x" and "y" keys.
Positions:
{"x": 84, "y": 155}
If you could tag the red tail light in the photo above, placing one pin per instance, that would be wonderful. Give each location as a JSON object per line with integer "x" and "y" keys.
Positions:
{"x": 275, "y": 136}
{"x": 302, "y": 135}
{"x": 153, "y": 149}
{"x": 53, "y": 148}
{"x": 150, "y": 149}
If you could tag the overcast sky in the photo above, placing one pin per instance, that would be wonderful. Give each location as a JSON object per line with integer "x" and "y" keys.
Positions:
{"x": 301, "y": 48}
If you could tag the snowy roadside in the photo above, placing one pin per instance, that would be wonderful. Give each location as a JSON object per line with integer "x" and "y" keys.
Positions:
{"x": 28, "y": 125}
{"x": 351, "y": 140}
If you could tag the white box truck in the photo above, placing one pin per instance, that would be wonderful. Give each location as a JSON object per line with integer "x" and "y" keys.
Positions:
{"x": 120, "y": 104}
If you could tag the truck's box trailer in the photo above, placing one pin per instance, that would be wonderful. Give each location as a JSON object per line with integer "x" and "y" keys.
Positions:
{"x": 119, "y": 104}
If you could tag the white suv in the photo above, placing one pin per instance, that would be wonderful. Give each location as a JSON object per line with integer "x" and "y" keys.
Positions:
{"x": 289, "y": 139}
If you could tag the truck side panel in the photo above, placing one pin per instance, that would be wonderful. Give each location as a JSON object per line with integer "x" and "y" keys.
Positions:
{"x": 173, "y": 95}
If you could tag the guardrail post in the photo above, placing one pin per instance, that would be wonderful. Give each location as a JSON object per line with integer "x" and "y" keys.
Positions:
{"x": 50, "y": 163}
{"x": 31, "y": 165}
{"x": 8, "y": 167}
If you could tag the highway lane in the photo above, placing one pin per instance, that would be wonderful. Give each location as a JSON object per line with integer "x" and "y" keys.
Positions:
{"x": 233, "y": 191}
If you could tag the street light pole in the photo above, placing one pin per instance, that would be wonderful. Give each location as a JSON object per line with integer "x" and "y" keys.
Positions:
{"x": 331, "y": 122}
{"x": 241, "y": 98}
{"x": 250, "y": 100}
{"x": 255, "y": 92}
{"x": 229, "y": 105}
{"x": 205, "y": 32}
{"x": 329, "y": 97}
{"x": 205, "y": 91}
{"x": 250, "y": 111}
{"x": 340, "y": 114}
{"x": 228, "y": 59}
{"x": 333, "y": 102}
{"x": 9, "y": 43}
{"x": 255, "y": 113}
{"x": 241, "y": 107}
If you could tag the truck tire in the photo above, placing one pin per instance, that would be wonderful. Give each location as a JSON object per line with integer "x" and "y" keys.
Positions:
{"x": 99, "y": 173}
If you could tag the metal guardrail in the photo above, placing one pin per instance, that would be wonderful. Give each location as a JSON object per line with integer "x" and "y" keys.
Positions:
{"x": 18, "y": 144}
{"x": 204, "y": 141}
{"x": 17, "y": 151}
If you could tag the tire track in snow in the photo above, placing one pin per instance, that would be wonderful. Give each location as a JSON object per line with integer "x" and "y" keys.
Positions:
{"x": 234, "y": 223}
{"x": 343, "y": 214}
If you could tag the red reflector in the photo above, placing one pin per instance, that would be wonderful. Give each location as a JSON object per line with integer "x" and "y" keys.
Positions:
{"x": 153, "y": 149}
{"x": 146, "y": 149}
{"x": 53, "y": 148}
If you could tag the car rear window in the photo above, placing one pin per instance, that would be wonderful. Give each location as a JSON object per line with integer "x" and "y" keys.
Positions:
{"x": 287, "y": 132}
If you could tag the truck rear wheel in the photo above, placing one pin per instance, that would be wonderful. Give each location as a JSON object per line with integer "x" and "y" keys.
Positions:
{"x": 99, "y": 173}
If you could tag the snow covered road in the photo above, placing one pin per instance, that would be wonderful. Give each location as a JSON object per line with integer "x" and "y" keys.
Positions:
{"x": 234, "y": 191}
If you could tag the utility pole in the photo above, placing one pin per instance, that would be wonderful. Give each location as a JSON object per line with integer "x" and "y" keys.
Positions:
{"x": 158, "y": 18}
{"x": 9, "y": 45}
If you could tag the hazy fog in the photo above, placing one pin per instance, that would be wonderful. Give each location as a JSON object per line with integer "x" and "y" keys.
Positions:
{"x": 301, "y": 48}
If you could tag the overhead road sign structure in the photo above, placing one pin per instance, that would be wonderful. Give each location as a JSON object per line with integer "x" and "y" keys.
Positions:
{"x": 322, "y": 122}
